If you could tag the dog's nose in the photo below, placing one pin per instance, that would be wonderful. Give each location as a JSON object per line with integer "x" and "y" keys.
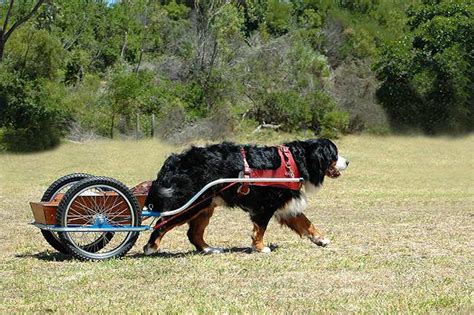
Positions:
{"x": 347, "y": 163}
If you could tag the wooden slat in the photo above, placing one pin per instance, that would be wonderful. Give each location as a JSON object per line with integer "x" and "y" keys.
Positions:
{"x": 45, "y": 212}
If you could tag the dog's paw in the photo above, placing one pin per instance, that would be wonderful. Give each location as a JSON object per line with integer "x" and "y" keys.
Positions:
{"x": 265, "y": 250}
{"x": 212, "y": 250}
{"x": 323, "y": 242}
{"x": 149, "y": 249}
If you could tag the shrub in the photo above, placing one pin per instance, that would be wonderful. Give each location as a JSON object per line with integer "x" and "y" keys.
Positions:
{"x": 128, "y": 94}
{"x": 176, "y": 11}
{"x": 279, "y": 16}
{"x": 359, "y": 6}
{"x": 354, "y": 86}
{"x": 334, "y": 123}
{"x": 427, "y": 78}
{"x": 315, "y": 111}
{"x": 35, "y": 53}
{"x": 286, "y": 108}
{"x": 31, "y": 115}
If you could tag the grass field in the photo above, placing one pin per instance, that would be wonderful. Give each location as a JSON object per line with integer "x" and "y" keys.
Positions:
{"x": 400, "y": 220}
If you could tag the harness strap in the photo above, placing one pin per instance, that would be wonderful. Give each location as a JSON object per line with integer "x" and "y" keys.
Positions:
{"x": 244, "y": 188}
{"x": 247, "y": 170}
{"x": 160, "y": 224}
{"x": 286, "y": 152}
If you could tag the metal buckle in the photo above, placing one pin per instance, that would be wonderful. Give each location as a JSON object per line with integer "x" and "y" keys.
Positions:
{"x": 244, "y": 192}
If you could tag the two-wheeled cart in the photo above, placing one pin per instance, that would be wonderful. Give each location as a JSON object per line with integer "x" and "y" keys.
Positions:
{"x": 97, "y": 218}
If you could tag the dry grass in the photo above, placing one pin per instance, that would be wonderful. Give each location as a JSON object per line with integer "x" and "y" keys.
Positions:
{"x": 400, "y": 220}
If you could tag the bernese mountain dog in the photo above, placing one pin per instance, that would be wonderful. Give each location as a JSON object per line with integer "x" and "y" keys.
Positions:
{"x": 183, "y": 175}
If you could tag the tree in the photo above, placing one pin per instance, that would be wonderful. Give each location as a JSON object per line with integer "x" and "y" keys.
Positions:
{"x": 6, "y": 32}
{"x": 428, "y": 78}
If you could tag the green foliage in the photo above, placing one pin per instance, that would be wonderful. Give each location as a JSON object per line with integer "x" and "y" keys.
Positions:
{"x": 279, "y": 16}
{"x": 87, "y": 105}
{"x": 128, "y": 93}
{"x": 293, "y": 112}
{"x": 105, "y": 68}
{"x": 334, "y": 123}
{"x": 30, "y": 113}
{"x": 35, "y": 53}
{"x": 311, "y": 19}
{"x": 254, "y": 15}
{"x": 228, "y": 24}
{"x": 359, "y": 43}
{"x": 427, "y": 82}
{"x": 176, "y": 11}
{"x": 185, "y": 96}
{"x": 76, "y": 65}
{"x": 359, "y": 6}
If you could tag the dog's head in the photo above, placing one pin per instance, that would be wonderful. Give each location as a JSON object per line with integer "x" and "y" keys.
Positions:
{"x": 323, "y": 159}
{"x": 152, "y": 199}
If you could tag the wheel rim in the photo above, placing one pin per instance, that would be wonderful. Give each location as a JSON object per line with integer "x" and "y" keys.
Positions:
{"x": 65, "y": 187}
{"x": 93, "y": 206}
{"x": 101, "y": 238}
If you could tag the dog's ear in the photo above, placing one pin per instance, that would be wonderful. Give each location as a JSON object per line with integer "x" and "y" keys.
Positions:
{"x": 153, "y": 195}
{"x": 320, "y": 153}
{"x": 315, "y": 154}
{"x": 299, "y": 154}
{"x": 319, "y": 158}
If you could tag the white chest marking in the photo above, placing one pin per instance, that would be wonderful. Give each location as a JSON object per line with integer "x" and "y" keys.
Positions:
{"x": 294, "y": 207}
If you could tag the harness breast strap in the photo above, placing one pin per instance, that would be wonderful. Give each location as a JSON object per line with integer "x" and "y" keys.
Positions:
{"x": 287, "y": 169}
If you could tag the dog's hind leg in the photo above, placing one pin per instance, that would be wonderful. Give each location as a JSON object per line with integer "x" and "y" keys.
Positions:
{"x": 303, "y": 226}
{"x": 155, "y": 239}
{"x": 197, "y": 226}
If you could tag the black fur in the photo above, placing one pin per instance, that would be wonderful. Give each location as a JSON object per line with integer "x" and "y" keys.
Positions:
{"x": 186, "y": 173}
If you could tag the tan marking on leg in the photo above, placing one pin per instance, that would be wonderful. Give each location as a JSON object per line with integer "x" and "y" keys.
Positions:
{"x": 149, "y": 249}
{"x": 303, "y": 227}
{"x": 257, "y": 238}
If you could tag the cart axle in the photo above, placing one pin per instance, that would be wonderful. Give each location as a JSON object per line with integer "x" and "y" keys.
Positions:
{"x": 92, "y": 228}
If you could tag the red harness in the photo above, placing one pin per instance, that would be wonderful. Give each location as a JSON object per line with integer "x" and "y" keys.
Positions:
{"x": 287, "y": 169}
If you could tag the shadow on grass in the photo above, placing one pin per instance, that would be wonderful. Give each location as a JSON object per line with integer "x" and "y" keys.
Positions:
{"x": 47, "y": 256}
{"x": 163, "y": 254}
{"x": 59, "y": 257}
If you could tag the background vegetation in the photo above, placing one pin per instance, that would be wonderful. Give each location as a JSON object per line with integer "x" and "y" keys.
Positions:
{"x": 183, "y": 69}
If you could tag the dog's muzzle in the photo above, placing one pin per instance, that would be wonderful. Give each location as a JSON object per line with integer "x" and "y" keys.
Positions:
{"x": 334, "y": 170}
{"x": 341, "y": 163}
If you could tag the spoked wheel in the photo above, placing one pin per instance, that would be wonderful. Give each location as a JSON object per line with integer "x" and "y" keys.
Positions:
{"x": 93, "y": 203}
{"x": 58, "y": 187}
{"x": 55, "y": 190}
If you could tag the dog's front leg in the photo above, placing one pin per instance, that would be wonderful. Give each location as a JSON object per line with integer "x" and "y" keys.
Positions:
{"x": 259, "y": 228}
{"x": 303, "y": 226}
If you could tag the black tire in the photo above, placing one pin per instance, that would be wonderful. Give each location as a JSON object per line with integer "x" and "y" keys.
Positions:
{"x": 57, "y": 186}
{"x": 51, "y": 237}
{"x": 100, "y": 184}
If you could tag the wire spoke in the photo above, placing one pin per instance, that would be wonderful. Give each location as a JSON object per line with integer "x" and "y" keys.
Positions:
{"x": 92, "y": 205}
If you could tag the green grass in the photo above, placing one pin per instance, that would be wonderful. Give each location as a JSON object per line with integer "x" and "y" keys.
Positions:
{"x": 400, "y": 220}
